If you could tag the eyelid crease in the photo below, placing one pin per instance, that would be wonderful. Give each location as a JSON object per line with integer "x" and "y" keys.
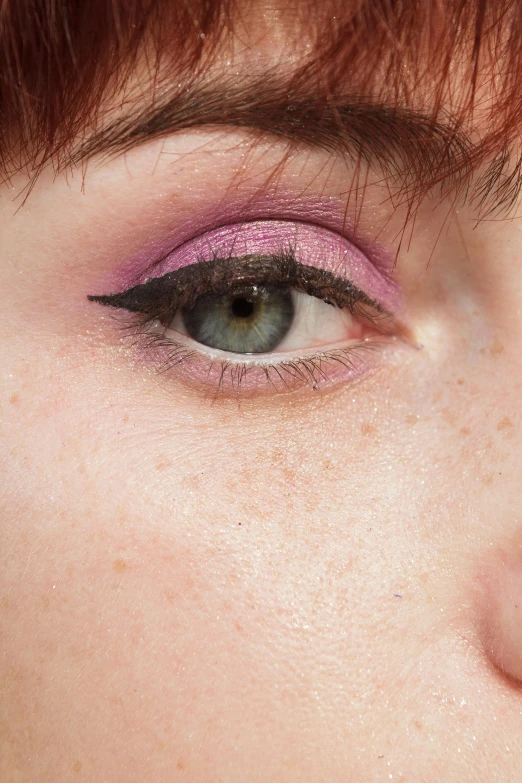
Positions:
{"x": 166, "y": 295}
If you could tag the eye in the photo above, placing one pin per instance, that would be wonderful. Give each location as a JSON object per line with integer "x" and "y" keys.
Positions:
{"x": 260, "y": 315}
{"x": 261, "y": 319}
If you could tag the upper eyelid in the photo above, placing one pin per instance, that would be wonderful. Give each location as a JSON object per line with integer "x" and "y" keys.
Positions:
{"x": 310, "y": 244}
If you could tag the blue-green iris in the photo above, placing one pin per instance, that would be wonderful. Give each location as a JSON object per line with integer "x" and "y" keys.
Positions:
{"x": 250, "y": 320}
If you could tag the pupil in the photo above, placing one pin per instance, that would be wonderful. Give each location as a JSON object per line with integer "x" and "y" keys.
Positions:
{"x": 242, "y": 308}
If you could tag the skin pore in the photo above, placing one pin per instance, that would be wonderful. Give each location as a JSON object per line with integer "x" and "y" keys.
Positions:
{"x": 295, "y": 585}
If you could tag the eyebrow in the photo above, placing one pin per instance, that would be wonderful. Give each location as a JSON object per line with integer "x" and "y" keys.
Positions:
{"x": 418, "y": 150}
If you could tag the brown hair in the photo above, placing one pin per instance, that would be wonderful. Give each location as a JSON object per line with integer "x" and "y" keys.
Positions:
{"x": 61, "y": 62}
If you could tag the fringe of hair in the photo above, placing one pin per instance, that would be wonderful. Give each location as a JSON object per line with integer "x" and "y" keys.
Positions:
{"x": 63, "y": 61}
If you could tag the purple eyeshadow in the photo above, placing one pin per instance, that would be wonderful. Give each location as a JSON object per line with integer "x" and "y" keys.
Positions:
{"x": 311, "y": 245}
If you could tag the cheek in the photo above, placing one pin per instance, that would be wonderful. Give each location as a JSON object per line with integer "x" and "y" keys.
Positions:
{"x": 181, "y": 584}
{"x": 188, "y": 580}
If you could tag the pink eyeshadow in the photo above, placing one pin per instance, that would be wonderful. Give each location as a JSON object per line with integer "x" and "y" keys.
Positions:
{"x": 311, "y": 245}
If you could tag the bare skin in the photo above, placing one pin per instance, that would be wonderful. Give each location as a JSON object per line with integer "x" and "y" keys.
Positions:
{"x": 306, "y": 586}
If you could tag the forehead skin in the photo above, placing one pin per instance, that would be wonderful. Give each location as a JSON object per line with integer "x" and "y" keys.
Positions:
{"x": 288, "y": 588}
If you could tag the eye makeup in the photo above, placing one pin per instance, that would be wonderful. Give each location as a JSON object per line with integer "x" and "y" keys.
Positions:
{"x": 222, "y": 310}
{"x": 311, "y": 245}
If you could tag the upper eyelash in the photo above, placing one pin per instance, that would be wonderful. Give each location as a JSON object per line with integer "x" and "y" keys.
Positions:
{"x": 164, "y": 296}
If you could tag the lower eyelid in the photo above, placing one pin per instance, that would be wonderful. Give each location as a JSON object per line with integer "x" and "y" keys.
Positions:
{"x": 211, "y": 371}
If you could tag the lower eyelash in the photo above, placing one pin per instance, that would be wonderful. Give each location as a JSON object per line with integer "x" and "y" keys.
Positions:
{"x": 314, "y": 372}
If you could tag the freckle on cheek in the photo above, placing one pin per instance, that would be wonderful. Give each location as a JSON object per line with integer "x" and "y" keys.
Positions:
{"x": 503, "y": 620}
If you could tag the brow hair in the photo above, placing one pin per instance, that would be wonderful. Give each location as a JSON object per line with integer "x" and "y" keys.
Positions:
{"x": 409, "y": 146}
{"x": 417, "y": 70}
